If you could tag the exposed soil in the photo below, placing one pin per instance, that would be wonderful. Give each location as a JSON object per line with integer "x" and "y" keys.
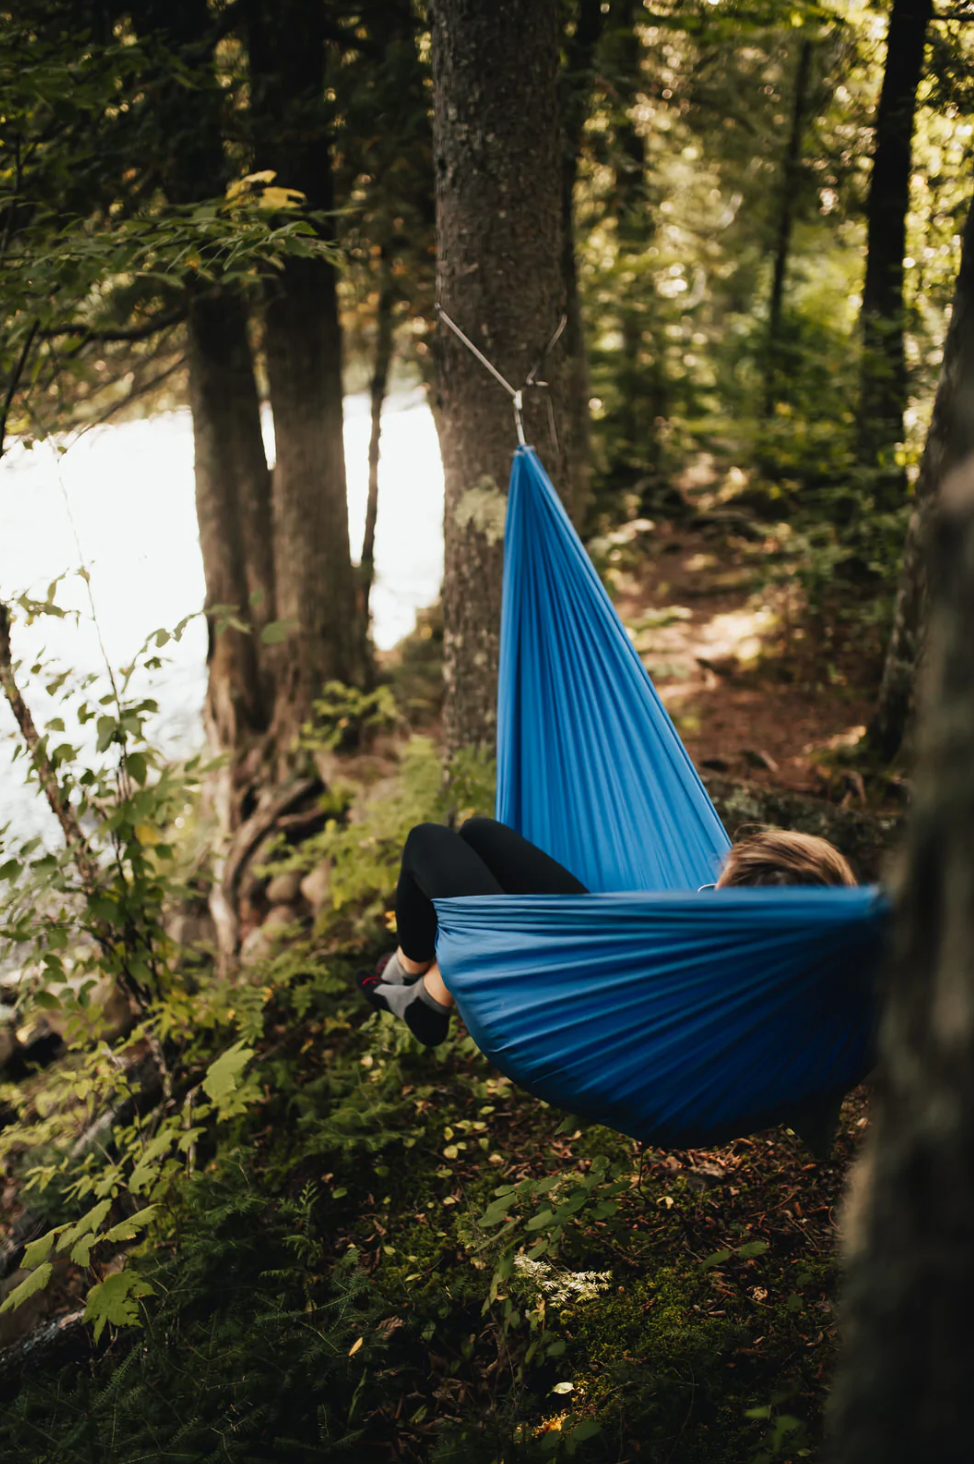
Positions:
{"x": 719, "y": 625}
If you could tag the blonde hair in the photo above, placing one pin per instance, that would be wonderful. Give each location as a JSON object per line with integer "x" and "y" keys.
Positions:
{"x": 780, "y": 857}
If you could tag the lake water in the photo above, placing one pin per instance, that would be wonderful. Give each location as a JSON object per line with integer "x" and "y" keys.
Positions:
{"x": 121, "y": 501}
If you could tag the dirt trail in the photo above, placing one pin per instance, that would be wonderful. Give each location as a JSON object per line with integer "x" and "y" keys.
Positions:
{"x": 734, "y": 669}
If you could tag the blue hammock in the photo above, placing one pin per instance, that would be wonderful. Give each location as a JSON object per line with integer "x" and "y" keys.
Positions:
{"x": 679, "y": 1018}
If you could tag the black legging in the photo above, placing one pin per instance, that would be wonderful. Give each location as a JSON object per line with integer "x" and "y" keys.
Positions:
{"x": 484, "y": 858}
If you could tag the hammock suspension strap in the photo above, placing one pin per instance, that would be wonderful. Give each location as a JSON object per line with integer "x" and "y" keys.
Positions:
{"x": 532, "y": 379}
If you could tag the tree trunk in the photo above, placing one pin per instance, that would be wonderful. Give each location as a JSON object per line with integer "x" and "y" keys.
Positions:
{"x": 233, "y": 483}
{"x": 575, "y": 95}
{"x": 790, "y": 179}
{"x": 233, "y": 506}
{"x": 883, "y": 383}
{"x": 950, "y": 440}
{"x": 634, "y": 227}
{"x": 904, "y": 1384}
{"x": 377, "y": 393}
{"x": 315, "y": 581}
{"x": 498, "y": 161}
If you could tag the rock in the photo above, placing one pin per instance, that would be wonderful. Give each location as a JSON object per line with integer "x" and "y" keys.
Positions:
{"x": 257, "y": 947}
{"x": 191, "y": 930}
{"x": 316, "y": 886}
{"x": 277, "y": 918}
{"x": 284, "y": 889}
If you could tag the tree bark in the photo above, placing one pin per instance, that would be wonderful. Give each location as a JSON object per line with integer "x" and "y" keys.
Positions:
{"x": 634, "y": 229}
{"x": 903, "y": 1388}
{"x": 315, "y": 581}
{"x": 790, "y": 178}
{"x": 233, "y": 511}
{"x": 233, "y": 486}
{"x": 377, "y": 395}
{"x": 950, "y": 440}
{"x": 883, "y": 381}
{"x": 575, "y": 93}
{"x": 498, "y": 161}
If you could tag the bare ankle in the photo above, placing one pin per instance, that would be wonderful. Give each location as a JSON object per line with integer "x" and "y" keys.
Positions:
{"x": 412, "y": 968}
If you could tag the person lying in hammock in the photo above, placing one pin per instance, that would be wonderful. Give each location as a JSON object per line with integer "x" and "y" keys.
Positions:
{"x": 487, "y": 858}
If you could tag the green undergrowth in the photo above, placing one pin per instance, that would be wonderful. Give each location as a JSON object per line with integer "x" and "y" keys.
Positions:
{"x": 327, "y": 1242}
{"x": 394, "y": 1250}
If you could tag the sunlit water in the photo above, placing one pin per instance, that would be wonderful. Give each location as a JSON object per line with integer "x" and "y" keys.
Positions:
{"x": 121, "y": 501}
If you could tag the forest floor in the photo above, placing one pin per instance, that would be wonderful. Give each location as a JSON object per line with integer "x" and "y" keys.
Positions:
{"x": 756, "y": 692}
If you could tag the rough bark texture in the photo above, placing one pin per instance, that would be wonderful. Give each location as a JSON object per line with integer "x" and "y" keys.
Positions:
{"x": 377, "y": 394}
{"x": 233, "y": 511}
{"x": 575, "y": 93}
{"x": 232, "y": 478}
{"x": 883, "y": 391}
{"x": 903, "y": 1390}
{"x": 790, "y": 179}
{"x": 498, "y": 162}
{"x": 314, "y": 578}
{"x": 950, "y": 440}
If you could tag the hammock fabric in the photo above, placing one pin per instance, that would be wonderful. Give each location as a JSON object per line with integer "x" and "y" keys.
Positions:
{"x": 677, "y": 1017}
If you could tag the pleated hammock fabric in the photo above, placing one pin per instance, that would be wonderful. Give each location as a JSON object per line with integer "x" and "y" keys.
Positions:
{"x": 677, "y": 1017}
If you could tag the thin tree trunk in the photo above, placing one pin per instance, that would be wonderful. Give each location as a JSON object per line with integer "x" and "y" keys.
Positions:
{"x": 883, "y": 383}
{"x": 634, "y": 227}
{"x": 950, "y": 440}
{"x": 790, "y": 178}
{"x": 377, "y": 394}
{"x": 57, "y": 799}
{"x": 233, "y": 512}
{"x": 575, "y": 92}
{"x": 904, "y": 1384}
{"x": 314, "y": 577}
{"x": 498, "y": 161}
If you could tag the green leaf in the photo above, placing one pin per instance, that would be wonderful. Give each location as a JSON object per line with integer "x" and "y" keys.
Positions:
{"x": 276, "y": 631}
{"x": 129, "y": 1229}
{"x": 38, "y": 1250}
{"x": 145, "y": 1171}
{"x": 136, "y": 766}
{"x": 114, "y": 1300}
{"x": 35, "y": 1282}
{"x": 717, "y": 1259}
{"x": 221, "y": 1076}
{"x": 87, "y": 1225}
{"x": 47, "y": 1001}
{"x": 107, "y": 728}
{"x": 752, "y": 1248}
{"x": 537, "y": 1222}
